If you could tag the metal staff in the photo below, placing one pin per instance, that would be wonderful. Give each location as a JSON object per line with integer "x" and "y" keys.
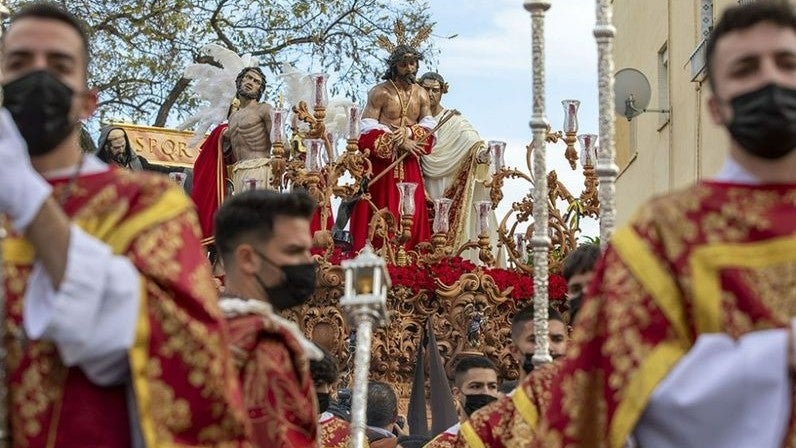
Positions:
{"x": 607, "y": 170}
{"x": 539, "y": 125}
{"x": 365, "y": 305}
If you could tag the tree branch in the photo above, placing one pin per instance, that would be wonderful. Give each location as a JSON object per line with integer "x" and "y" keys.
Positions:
{"x": 171, "y": 98}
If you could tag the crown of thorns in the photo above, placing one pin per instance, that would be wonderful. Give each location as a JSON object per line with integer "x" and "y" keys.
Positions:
{"x": 399, "y": 29}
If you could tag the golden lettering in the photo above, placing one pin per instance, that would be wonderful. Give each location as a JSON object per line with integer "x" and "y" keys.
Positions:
{"x": 184, "y": 150}
{"x": 153, "y": 144}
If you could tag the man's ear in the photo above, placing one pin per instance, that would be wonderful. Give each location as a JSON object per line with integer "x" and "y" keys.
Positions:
{"x": 714, "y": 107}
{"x": 456, "y": 392}
{"x": 245, "y": 259}
{"x": 515, "y": 353}
{"x": 90, "y": 99}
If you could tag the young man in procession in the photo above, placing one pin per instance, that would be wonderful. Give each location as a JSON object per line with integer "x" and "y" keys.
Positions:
{"x": 699, "y": 290}
{"x": 475, "y": 385}
{"x": 511, "y": 421}
{"x": 110, "y": 304}
{"x": 264, "y": 241}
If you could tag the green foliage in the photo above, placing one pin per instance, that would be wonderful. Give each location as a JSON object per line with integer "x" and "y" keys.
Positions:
{"x": 140, "y": 47}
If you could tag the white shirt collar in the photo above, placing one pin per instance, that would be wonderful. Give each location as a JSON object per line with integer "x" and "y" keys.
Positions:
{"x": 733, "y": 172}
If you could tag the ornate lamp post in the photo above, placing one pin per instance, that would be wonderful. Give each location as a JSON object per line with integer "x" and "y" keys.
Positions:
{"x": 365, "y": 305}
{"x": 607, "y": 170}
{"x": 539, "y": 125}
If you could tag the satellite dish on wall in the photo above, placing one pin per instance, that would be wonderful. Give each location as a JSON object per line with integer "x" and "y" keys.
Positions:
{"x": 631, "y": 93}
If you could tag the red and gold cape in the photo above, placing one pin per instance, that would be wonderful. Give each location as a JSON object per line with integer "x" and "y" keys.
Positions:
{"x": 277, "y": 387}
{"x": 210, "y": 176}
{"x": 384, "y": 193}
{"x": 182, "y": 378}
{"x": 712, "y": 258}
{"x": 335, "y": 432}
{"x": 510, "y": 421}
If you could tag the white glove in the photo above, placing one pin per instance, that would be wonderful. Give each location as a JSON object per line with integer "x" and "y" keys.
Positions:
{"x": 22, "y": 189}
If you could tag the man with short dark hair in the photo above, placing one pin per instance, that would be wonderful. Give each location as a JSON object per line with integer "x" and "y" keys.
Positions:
{"x": 264, "y": 242}
{"x": 475, "y": 385}
{"x": 523, "y": 337}
{"x": 686, "y": 339}
{"x": 382, "y": 414}
{"x": 113, "y": 332}
{"x": 503, "y": 423}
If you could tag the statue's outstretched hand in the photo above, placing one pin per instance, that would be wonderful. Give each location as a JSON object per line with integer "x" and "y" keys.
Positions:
{"x": 22, "y": 189}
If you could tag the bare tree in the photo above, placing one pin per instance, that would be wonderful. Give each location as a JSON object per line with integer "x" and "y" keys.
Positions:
{"x": 140, "y": 47}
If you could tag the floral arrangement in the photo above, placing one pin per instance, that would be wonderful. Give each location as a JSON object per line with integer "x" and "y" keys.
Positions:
{"x": 447, "y": 271}
{"x": 424, "y": 277}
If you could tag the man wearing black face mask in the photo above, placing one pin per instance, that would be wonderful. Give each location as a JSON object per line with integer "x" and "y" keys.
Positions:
{"x": 106, "y": 284}
{"x": 502, "y": 423}
{"x": 335, "y": 432}
{"x": 693, "y": 302}
{"x": 475, "y": 385}
{"x": 264, "y": 242}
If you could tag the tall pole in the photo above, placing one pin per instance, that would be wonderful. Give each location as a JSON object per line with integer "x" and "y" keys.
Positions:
{"x": 540, "y": 241}
{"x": 365, "y": 306}
{"x": 607, "y": 170}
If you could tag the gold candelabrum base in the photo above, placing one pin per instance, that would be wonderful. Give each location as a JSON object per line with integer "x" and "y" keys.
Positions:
{"x": 404, "y": 235}
{"x": 485, "y": 250}
{"x": 278, "y": 164}
{"x": 439, "y": 248}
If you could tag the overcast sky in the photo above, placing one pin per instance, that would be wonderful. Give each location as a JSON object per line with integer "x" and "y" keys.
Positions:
{"x": 488, "y": 67}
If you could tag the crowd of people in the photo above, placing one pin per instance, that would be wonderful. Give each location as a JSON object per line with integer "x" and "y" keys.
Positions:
{"x": 679, "y": 333}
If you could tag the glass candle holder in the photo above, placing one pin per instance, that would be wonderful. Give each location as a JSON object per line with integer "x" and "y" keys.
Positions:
{"x": 319, "y": 98}
{"x": 483, "y": 209}
{"x": 354, "y": 114}
{"x": 588, "y": 149}
{"x": 277, "y": 125}
{"x": 315, "y": 147}
{"x": 406, "y": 192}
{"x": 442, "y": 208}
{"x": 571, "y": 115}
{"x": 497, "y": 149}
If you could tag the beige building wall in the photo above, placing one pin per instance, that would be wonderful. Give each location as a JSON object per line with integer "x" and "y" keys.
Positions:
{"x": 657, "y": 153}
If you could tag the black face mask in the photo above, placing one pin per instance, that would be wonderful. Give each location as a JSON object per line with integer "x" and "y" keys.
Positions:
{"x": 297, "y": 286}
{"x": 474, "y": 402}
{"x": 764, "y": 121}
{"x": 323, "y": 401}
{"x": 39, "y": 104}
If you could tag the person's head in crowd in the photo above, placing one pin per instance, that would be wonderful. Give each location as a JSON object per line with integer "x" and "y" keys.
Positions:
{"x": 523, "y": 338}
{"x": 578, "y": 268}
{"x": 382, "y": 406}
{"x": 44, "y": 58}
{"x": 750, "y": 59}
{"x": 263, "y": 239}
{"x": 324, "y": 374}
{"x": 475, "y": 383}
